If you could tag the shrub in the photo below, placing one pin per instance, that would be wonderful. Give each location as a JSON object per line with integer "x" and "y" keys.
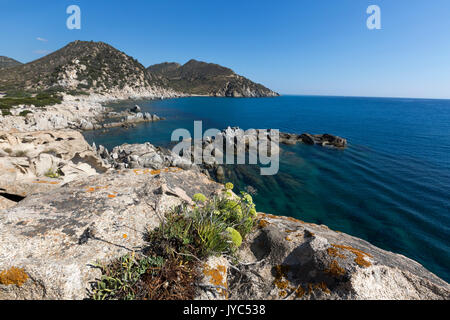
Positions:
{"x": 229, "y": 186}
{"x": 235, "y": 236}
{"x": 51, "y": 174}
{"x": 24, "y": 113}
{"x": 120, "y": 278}
{"x": 185, "y": 236}
{"x": 199, "y": 198}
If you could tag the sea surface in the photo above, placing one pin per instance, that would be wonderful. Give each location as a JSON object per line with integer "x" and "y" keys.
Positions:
{"x": 391, "y": 186}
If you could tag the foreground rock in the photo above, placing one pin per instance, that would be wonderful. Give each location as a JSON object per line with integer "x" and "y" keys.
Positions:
{"x": 40, "y": 161}
{"x": 290, "y": 259}
{"x": 50, "y": 241}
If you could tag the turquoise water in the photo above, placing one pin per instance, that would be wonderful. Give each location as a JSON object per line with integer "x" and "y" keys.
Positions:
{"x": 389, "y": 187}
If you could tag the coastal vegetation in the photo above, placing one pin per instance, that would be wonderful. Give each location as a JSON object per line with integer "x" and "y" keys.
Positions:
{"x": 168, "y": 267}
{"x": 15, "y": 98}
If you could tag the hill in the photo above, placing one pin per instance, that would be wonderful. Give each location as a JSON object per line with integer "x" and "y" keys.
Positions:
{"x": 80, "y": 65}
{"x": 201, "y": 78}
{"x": 6, "y": 62}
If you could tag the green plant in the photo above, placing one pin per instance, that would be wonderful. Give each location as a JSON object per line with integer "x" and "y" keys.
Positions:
{"x": 119, "y": 279}
{"x": 24, "y": 113}
{"x": 51, "y": 174}
{"x": 229, "y": 186}
{"x": 199, "y": 198}
{"x": 235, "y": 236}
{"x": 185, "y": 236}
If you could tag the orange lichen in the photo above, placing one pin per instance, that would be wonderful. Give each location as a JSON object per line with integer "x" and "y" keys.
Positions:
{"x": 322, "y": 286}
{"x": 263, "y": 223}
{"x": 92, "y": 189}
{"x": 124, "y": 236}
{"x": 155, "y": 172}
{"x": 281, "y": 272}
{"x": 12, "y": 276}
{"x": 333, "y": 252}
{"x": 335, "y": 269}
{"x": 288, "y": 239}
{"x": 360, "y": 255}
{"x": 111, "y": 196}
{"x": 46, "y": 182}
{"x": 300, "y": 292}
{"x": 217, "y": 277}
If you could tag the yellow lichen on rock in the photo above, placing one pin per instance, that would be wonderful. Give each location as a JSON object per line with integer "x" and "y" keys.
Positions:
{"x": 360, "y": 255}
{"x": 13, "y": 276}
{"x": 217, "y": 277}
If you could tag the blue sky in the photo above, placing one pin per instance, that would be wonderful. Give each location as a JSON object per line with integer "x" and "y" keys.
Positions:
{"x": 294, "y": 47}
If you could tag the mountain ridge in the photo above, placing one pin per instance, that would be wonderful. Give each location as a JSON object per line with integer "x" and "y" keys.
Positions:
{"x": 7, "y": 62}
{"x": 97, "y": 67}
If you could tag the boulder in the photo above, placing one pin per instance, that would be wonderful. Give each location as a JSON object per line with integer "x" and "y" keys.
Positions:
{"x": 291, "y": 259}
{"x": 34, "y": 160}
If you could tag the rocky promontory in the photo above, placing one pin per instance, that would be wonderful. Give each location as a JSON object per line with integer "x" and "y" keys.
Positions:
{"x": 52, "y": 240}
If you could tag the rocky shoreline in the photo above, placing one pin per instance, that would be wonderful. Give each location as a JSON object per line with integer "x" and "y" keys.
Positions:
{"x": 83, "y": 112}
{"x": 284, "y": 258}
{"x": 65, "y": 205}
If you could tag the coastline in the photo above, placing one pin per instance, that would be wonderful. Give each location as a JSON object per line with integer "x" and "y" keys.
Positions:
{"x": 389, "y": 266}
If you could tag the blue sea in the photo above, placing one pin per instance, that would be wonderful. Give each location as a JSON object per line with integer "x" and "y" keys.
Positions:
{"x": 391, "y": 186}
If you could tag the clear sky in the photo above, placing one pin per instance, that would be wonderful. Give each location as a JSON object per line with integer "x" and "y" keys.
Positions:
{"x": 291, "y": 46}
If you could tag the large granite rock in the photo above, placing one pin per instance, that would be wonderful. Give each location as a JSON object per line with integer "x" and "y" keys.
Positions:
{"x": 290, "y": 259}
{"x": 43, "y": 160}
{"x": 50, "y": 241}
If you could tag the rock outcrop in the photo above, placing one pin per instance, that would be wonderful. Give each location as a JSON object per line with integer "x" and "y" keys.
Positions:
{"x": 39, "y": 161}
{"x": 142, "y": 156}
{"x": 53, "y": 240}
{"x": 79, "y": 113}
{"x": 70, "y": 205}
{"x": 291, "y": 259}
{"x": 324, "y": 140}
